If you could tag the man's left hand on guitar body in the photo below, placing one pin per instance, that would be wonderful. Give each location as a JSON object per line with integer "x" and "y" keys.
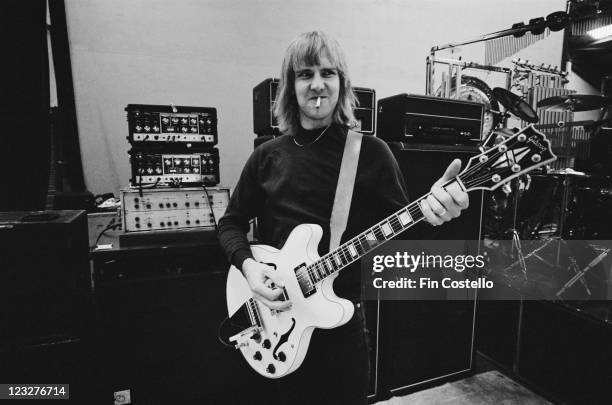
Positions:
{"x": 444, "y": 204}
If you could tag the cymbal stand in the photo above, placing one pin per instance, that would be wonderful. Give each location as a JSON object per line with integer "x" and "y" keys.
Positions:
{"x": 523, "y": 258}
{"x": 516, "y": 240}
{"x": 580, "y": 274}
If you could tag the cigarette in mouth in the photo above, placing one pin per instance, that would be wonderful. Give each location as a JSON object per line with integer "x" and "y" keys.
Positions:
{"x": 318, "y": 102}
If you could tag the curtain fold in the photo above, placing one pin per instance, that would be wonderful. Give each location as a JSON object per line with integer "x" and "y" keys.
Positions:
{"x": 24, "y": 112}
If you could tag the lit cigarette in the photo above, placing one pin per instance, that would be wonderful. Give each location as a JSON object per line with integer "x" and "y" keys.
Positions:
{"x": 318, "y": 102}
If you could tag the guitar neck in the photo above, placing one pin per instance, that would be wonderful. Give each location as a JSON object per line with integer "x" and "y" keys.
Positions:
{"x": 368, "y": 240}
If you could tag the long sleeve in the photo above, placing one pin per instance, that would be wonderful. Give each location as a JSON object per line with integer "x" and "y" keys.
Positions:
{"x": 245, "y": 204}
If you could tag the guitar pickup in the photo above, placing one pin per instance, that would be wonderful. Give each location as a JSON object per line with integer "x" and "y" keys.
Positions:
{"x": 283, "y": 297}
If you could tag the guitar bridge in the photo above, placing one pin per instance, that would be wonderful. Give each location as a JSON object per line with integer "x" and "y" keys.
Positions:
{"x": 241, "y": 339}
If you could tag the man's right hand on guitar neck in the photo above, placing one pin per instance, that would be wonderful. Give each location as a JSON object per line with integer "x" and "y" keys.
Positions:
{"x": 264, "y": 284}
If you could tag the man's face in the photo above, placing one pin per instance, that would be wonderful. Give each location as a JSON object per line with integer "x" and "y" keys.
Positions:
{"x": 312, "y": 82}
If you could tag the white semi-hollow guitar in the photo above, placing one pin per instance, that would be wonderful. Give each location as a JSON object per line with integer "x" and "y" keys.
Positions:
{"x": 275, "y": 343}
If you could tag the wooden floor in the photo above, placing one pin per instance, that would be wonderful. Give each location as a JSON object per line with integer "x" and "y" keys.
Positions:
{"x": 491, "y": 387}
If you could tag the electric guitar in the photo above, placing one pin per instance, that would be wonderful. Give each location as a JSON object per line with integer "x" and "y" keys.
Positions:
{"x": 275, "y": 343}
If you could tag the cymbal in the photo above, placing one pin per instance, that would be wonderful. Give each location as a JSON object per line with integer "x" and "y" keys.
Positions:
{"x": 575, "y": 102}
{"x": 569, "y": 172}
{"x": 515, "y": 105}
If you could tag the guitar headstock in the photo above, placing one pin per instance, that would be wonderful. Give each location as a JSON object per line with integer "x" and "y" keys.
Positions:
{"x": 524, "y": 151}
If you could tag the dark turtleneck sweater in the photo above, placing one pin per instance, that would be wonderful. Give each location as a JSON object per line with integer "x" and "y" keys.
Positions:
{"x": 284, "y": 185}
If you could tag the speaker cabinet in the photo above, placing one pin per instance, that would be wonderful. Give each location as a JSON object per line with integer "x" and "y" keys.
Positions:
{"x": 158, "y": 314}
{"x": 44, "y": 276}
{"x": 44, "y": 299}
{"x": 264, "y": 98}
{"x": 365, "y": 111}
{"x": 424, "y": 342}
{"x": 427, "y": 342}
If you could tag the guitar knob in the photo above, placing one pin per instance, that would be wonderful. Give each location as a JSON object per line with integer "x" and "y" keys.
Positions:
{"x": 271, "y": 369}
{"x": 267, "y": 344}
{"x": 257, "y": 356}
{"x": 281, "y": 356}
{"x": 536, "y": 158}
{"x": 256, "y": 337}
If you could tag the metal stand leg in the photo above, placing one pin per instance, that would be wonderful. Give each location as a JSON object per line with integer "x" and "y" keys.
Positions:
{"x": 581, "y": 273}
{"x": 522, "y": 258}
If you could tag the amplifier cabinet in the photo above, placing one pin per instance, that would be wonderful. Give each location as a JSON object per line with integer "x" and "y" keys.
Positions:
{"x": 158, "y": 310}
{"x": 264, "y": 99}
{"x": 426, "y": 119}
{"x": 44, "y": 276}
{"x": 422, "y": 343}
{"x": 422, "y": 165}
{"x": 365, "y": 111}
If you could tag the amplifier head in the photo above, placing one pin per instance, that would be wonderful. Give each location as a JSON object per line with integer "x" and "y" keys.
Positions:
{"x": 426, "y": 119}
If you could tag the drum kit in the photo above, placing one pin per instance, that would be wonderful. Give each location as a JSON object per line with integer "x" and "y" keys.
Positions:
{"x": 554, "y": 210}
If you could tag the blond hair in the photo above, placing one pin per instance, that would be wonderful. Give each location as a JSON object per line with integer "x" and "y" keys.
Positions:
{"x": 307, "y": 50}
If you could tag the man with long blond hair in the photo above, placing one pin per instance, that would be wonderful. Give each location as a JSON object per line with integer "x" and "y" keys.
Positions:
{"x": 292, "y": 180}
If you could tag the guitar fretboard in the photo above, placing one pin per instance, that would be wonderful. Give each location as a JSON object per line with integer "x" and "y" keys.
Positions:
{"x": 365, "y": 242}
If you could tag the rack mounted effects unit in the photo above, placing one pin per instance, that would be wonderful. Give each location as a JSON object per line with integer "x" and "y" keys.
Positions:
{"x": 158, "y": 124}
{"x": 172, "y": 145}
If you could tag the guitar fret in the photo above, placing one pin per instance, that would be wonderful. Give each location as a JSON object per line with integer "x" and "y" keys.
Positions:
{"x": 311, "y": 275}
{"x": 337, "y": 260}
{"x": 320, "y": 272}
{"x": 386, "y": 229}
{"x": 404, "y": 218}
{"x": 379, "y": 233}
{"x": 395, "y": 224}
{"x": 352, "y": 250}
{"x": 328, "y": 269}
{"x": 345, "y": 257}
{"x": 361, "y": 245}
{"x": 330, "y": 266}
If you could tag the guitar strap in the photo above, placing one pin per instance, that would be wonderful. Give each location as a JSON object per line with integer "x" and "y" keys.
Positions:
{"x": 344, "y": 189}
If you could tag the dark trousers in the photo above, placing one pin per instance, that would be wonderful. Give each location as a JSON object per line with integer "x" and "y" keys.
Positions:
{"x": 335, "y": 370}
